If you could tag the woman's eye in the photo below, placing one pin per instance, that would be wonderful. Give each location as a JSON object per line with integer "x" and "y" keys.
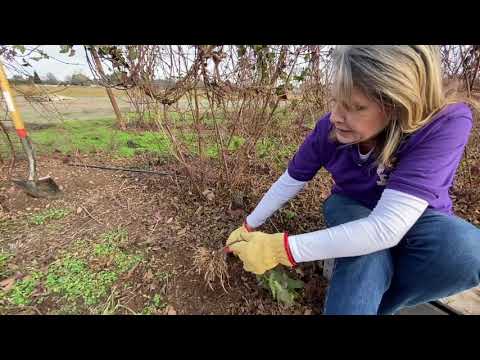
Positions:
{"x": 359, "y": 108}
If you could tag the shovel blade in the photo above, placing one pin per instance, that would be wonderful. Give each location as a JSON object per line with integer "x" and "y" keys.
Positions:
{"x": 42, "y": 188}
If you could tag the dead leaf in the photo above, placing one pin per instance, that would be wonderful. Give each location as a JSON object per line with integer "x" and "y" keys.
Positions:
{"x": 182, "y": 232}
{"x": 209, "y": 194}
{"x": 169, "y": 220}
{"x": 12, "y": 266}
{"x": 475, "y": 170}
{"x": 79, "y": 210}
{"x": 7, "y": 284}
{"x": 130, "y": 273}
{"x": 148, "y": 275}
{"x": 171, "y": 310}
{"x": 157, "y": 216}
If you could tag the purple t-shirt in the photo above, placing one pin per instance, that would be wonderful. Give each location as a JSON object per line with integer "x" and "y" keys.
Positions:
{"x": 426, "y": 164}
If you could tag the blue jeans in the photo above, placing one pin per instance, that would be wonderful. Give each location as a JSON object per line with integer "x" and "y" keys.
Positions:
{"x": 438, "y": 257}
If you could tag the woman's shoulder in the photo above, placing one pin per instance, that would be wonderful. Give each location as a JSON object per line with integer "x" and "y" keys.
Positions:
{"x": 453, "y": 123}
{"x": 456, "y": 117}
{"x": 455, "y": 110}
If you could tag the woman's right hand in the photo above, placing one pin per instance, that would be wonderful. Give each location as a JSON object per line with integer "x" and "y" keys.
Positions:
{"x": 248, "y": 227}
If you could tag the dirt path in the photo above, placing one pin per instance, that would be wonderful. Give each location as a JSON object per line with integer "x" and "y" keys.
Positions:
{"x": 79, "y": 108}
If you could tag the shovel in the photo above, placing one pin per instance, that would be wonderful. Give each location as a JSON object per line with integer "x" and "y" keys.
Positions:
{"x": 33, "y": 186}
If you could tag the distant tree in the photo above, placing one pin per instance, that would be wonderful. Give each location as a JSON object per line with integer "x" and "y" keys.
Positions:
{"x": 51, "y": 79}
{"x": 116, "y": 77}
{"x": 80, "y": 79}
{"x": 36, "y": 78}
{"x": 18, "y": 79}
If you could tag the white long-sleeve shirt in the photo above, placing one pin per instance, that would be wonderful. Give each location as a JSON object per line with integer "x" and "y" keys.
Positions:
{"x": 396, "y": 212}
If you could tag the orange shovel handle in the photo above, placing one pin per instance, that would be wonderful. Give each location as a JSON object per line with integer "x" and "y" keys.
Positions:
{"x": 12, "y": 109}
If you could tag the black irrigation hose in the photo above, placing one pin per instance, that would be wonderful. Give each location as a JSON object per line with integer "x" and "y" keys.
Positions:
{"x": 120, "y": 169}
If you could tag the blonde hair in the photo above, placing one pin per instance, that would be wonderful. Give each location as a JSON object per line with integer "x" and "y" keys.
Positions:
{"x": 405, "y": 79}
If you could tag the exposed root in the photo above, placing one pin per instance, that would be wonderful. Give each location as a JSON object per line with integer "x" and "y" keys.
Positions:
{"x": 213, "y": 265}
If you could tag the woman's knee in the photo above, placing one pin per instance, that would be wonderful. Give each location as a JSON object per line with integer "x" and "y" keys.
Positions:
{"x": 339, "y": 209}
{"x": 469, "y": 242}
{"x": 462, "y": 250}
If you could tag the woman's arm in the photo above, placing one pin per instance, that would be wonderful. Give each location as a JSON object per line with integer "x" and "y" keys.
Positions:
{"x": 284, "y": 189}
{"x": 309, "y": 158}
{"x": 396, "y": 212}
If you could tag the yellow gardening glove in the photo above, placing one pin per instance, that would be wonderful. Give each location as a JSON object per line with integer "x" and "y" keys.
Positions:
{"x": 235, "y": 235}
{"x": 261, "y": 252}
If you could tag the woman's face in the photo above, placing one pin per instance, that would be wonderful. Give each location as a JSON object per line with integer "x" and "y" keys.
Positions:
{"x": 362, "y": 122}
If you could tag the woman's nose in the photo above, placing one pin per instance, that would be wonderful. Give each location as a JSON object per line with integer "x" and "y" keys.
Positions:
{"x": 338, "y": 117}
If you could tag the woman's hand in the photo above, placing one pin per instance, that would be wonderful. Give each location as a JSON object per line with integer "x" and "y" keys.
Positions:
{"x": 260, "y": 251}
{"x": 235, "y": 235}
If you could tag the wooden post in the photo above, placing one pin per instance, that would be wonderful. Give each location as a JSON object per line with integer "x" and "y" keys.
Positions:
{"x": 99, "y": 67}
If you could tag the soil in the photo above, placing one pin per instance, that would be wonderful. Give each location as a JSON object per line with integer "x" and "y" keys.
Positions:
{"x": 164, "y": 220}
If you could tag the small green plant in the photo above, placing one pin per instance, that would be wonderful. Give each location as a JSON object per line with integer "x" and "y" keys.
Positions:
{"x": 73, "y": 279}
{"x": 116, "y": 235}
{"x": 282, "y": 288}
{"x": 50, "y": 214}
{"x": 290, "y": 214}
{"x": 20, "y": 293}
{"x": 125, "y": 262}
{"x": 4, "y": 257}
{"x": 105, "y": 249}
{"x": 157, "y": 304}
{"x": 110, "y": 248}
{"x": 67, "y": 309}
{"x": 165, "y": 275}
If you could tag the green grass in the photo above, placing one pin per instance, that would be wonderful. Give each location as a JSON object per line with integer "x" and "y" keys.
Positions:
{"x": 91, "y": 136}
{"x": 274, "y": 150}
{"x": 100, "y": 135}
{"x": 176, "y": 118}
{"x": 48, "y": 215}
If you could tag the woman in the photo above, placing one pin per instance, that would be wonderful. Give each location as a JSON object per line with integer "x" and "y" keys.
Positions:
{"x": 392, "y": 143}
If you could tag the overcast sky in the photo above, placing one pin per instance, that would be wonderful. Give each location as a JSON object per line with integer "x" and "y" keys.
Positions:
{"x": 60, "y": 65}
